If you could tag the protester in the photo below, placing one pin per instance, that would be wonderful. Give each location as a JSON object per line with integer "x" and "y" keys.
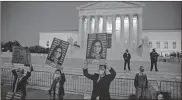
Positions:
{"x": 59, "y": 80}
{"x": 127, "y": 58}
{"x": 141, "y": 83}
{"x": 154, "y": 57}
{"x": 20, "y": 80}
{"x": 101, "y": 81}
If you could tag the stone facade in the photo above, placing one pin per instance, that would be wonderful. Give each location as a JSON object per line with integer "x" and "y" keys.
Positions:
{"x": 112, "y": 9}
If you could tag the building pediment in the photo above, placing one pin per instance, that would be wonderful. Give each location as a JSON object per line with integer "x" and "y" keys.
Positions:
{"x": 110, "y": 5}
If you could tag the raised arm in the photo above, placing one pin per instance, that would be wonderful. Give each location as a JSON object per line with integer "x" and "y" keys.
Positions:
{"x": 112, "y": 71}
{"x": 63, "y": 79}
{"x": 29, "y": 71}
{"x": 85, "y": 72}
{"x": 14, "y": 73}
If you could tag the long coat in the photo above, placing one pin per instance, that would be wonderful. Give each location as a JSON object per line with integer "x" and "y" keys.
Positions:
{"x": 61, "y": 85}
{"x": 100, "y": 88}
{"x": 21, "y": 85}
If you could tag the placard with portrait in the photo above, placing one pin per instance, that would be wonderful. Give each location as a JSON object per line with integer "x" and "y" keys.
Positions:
{"x": 96, "y": 48}
{"x": 21, "y": 55}
{"x": 57, "y": 53}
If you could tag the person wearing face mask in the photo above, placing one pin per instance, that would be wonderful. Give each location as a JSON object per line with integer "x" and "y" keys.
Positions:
{"x": 127, "y": 58}
{"x": 101, "y": 81}
{"x": 20, "y": 80}
{"x": 59, "y": 80}
{"x": 141, "y": 83}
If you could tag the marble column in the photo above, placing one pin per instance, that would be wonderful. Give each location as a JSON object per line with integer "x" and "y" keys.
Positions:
{"x": 88, "y": 24}
{"x": 122, "y": 32}
{"x": 80, "y": 35}
{"x": 96, "y": 24}
{"x": 104, "y": 24}
{"x": 139, "y": 38}
{"x": 113, "y": 31}
{"x": 131, "y": 32}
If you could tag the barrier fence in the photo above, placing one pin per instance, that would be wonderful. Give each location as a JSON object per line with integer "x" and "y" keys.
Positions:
{"x": 120, "y": 87}
{"x": 169, "y": 59}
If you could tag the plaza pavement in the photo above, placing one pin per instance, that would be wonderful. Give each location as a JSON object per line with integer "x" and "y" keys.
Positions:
{"x": 34, "y": 94}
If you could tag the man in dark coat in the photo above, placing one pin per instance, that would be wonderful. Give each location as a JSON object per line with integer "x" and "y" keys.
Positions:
{"x": 21, "y": 80}
{"x": 141, "y": 84}
{"x": 59, "y": 79}
{"x": 101, "y": 82}
{"x": 127, "y": 58}
{"x": 154, "y": 57}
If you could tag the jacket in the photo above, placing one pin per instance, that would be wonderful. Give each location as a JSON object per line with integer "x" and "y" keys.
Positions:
{"x": 22, "y": 82}
{"x": 141, "y": 81}
{"x": 154, "y": 56}
{"x": 126, "y": 56}
{"x": 61, "y": 84}
{"x": 100, "y": 88}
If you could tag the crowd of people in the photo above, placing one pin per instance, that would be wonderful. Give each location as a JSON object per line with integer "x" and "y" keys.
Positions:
{"x": 101, "y": 80}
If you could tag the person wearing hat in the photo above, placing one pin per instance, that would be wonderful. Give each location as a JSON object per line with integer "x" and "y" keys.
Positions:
{"x": 154, "y": 57}
{"x": 127, "y": 58}
{"x": 20, "y": 79}
{"x": 141, "y": 83}
{"x": 101, "y": 81}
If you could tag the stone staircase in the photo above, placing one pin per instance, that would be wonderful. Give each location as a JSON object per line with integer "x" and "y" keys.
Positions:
{"x": 115, "y": 54}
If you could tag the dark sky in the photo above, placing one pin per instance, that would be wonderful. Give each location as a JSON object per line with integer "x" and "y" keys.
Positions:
{"x": 23, "y": 21}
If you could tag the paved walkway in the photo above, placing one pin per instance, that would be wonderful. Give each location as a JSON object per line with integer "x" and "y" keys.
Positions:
{"x": 37, "y": 94}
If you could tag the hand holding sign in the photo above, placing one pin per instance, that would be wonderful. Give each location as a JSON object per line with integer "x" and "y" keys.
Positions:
{"x": 85, "y": 65}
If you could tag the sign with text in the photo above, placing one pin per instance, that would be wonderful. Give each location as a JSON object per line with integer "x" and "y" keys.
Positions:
{"x": 21, "y": 55}
{"x": 96, "y": 48}
{"x": 57, "y": 53}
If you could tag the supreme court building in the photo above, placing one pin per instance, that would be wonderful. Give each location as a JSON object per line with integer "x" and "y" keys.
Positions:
{"x": 121, "y": 19}
{"x": 123, "y": 22}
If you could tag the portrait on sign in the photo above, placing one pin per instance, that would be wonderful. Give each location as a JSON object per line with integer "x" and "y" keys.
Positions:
{"x": 57, "y": 53}
{"x": 96, "y": 48}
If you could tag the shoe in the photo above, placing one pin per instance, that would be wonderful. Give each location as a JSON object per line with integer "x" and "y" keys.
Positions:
{"x": 156, "y": 70}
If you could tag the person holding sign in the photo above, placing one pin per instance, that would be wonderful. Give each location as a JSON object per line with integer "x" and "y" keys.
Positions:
{"x": 101, "y": 81}
{"x": 20, "y": 80}
{"x": 56, "y": 55}
{"x": 59, "y": 79}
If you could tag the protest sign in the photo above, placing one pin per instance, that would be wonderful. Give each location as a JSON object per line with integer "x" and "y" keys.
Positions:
{"x": 96, "y": 48}
{"x": 21, "y": 55}
{"x": 57, "y": 53}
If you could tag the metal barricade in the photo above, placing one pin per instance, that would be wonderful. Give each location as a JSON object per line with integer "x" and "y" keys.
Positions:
{"x": 174, "y": 88}
{"x": 120, "y": 87}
